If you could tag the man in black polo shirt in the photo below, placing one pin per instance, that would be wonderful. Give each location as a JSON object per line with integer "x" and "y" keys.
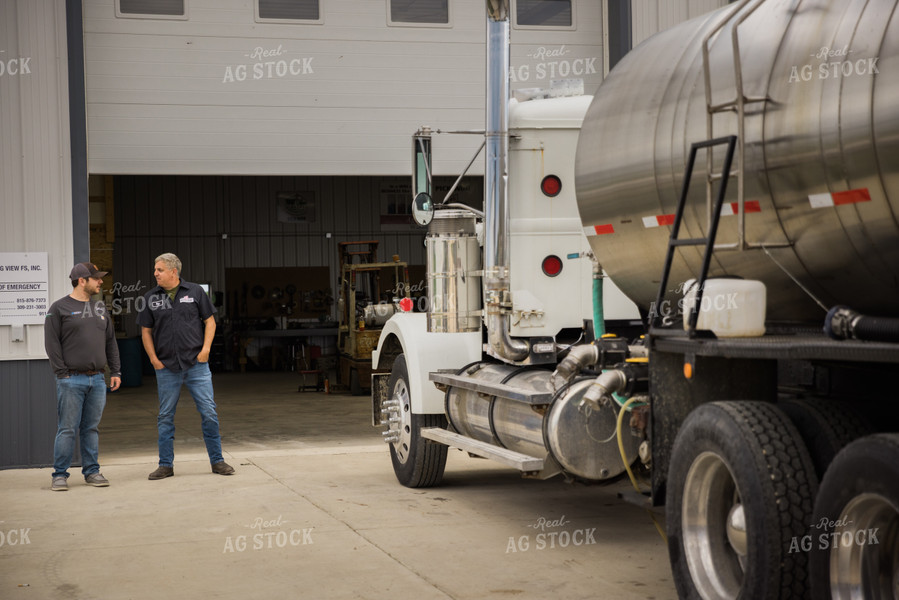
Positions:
{"x": 80, "y": 341}
{"x": 177, "y": 326}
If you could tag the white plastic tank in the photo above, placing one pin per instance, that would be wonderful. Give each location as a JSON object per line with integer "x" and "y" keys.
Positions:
{"x": 730, "y": 307}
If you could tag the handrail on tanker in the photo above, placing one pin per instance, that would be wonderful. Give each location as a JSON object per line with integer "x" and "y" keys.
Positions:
{"x": 739, "y": 103}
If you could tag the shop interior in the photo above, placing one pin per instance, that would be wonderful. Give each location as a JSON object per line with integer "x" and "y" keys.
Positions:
{"x": 307, "y": 295}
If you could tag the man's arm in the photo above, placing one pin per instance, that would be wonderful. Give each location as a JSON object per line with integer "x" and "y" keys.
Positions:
{"x": 53, "y": 343}
{"x": 208, "y": 334}
{"x": 146, "y": 336}
{"x": 112, "y": 357}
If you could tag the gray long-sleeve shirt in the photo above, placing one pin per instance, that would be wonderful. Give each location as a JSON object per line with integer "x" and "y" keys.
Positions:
{"x": 79, "y": 336}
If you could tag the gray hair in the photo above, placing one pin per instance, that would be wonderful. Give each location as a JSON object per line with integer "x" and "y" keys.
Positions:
{"x": 170, "y": 260}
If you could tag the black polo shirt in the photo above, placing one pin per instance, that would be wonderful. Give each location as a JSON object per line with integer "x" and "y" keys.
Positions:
{"x": 178, "y": 325}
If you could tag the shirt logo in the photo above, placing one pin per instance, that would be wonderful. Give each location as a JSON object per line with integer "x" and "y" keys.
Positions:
{"x": 186, "y": 299}
{"x": 157, "y": 303}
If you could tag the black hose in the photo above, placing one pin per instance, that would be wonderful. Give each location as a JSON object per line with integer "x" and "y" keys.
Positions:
{"x": 843, "y": 323}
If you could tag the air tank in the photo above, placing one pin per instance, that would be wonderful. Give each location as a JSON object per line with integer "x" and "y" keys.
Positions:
{"x": 820, "y": 148}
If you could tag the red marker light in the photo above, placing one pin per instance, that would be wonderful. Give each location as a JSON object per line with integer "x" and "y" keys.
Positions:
{"x": 552, "y": 265}
{"x": 406, "y": 305}
{"x": 551, "y": 185}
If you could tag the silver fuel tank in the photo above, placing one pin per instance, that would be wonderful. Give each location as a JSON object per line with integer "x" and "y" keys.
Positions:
{"x": 821, "y": 170}
{"x": 583, "y": 442}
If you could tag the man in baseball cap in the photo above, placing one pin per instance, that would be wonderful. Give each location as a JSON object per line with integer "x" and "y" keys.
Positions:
{"x": 86, "y": 270}
{"x": 80, "y": 341}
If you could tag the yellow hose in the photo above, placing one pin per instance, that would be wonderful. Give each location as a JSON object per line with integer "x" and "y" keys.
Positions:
{"x": 627, "y": 465}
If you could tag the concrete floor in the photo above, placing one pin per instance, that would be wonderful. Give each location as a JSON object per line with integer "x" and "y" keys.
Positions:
{"x": 314, "y": 511}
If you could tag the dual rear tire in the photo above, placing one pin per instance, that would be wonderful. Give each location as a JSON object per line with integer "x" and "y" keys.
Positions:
{"x": 855, "y": 530}
{"x": 741, "y": 487}
{"x": 747, "y": 518}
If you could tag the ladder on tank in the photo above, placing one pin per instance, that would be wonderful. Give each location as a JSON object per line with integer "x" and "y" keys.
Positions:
{"x": 709, "y": 242}
{"x": 738, "y": 105}
{"x": 735, "y": 145}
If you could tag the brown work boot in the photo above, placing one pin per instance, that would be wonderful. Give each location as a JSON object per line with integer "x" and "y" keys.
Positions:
{"x": 222, "y": 468}
{"x": 162, "y": 472}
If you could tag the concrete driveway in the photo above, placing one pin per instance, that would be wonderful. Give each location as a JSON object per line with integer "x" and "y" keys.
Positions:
{"x": 314, "y": 511}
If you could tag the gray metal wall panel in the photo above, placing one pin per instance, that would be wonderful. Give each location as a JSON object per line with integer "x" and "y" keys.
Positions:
{"x": 35, "y": 167}
{"x": 652, "y": 16}
{"x": 36, "y": 179}
{"x": 27, "y": 413}
{"x": 160, "y": 99}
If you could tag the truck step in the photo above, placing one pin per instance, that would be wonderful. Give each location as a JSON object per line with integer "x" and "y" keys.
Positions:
{"x": 510, "y": 458}
{"x": 502, "y": 390}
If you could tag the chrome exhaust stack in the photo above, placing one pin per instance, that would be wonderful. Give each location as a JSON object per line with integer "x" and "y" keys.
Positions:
{"x": 496, "y": 198}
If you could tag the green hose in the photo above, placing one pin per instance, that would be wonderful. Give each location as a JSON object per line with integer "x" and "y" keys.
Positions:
{"x": 599, "y": 324}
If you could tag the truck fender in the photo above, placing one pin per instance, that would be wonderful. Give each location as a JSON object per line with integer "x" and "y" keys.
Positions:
{"x": 425, "y": 352}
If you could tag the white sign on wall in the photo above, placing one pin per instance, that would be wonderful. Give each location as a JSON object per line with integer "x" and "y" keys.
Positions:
{"x": 24, "y": 288}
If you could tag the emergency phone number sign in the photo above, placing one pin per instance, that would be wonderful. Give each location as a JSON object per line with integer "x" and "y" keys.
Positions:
{"x": 24, "y": 288}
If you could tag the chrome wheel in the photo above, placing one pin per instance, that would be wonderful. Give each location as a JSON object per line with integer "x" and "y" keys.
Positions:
{"x": 714, "y": 528}
{"x": 739, "y": 491}
{"x": 417, "y": 462}
{"x": 864, "y": 549}
{"x": 400, "y": 421}
{"x": 856, "y": 550}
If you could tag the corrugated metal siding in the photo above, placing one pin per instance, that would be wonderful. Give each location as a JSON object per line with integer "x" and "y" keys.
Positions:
{"x": 35, "y": 160}
{"x": 653, "y": 16}
{"x": 160, "y": 98}
{"x": 36, "y": 199}
{"x": 189, "y": 215}
{"x": 27, "y": 413}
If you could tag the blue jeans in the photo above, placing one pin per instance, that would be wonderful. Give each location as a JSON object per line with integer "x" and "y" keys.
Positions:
{"x": 80, "y": 400}
{"x": 198, "y": 380}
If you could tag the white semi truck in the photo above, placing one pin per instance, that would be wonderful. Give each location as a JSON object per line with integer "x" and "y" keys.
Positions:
{"x": 737, "y": 178}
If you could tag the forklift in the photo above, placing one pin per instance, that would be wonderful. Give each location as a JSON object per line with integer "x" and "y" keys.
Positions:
{"x": 363, "y": 307}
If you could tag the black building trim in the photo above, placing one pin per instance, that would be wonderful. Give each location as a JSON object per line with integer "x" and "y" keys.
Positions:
{"x": 620, "y": 30}
{"x": 78, "y": 131}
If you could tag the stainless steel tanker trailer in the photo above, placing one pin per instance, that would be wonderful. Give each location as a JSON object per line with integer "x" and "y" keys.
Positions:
{"x": 735, "y": 187}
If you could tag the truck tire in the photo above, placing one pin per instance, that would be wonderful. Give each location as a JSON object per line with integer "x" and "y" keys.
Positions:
{"x": 741, "y": 485}
{"x": 854, "y": 545}
{"x": 826, "y": 427}
{"x": 417, "y": 462}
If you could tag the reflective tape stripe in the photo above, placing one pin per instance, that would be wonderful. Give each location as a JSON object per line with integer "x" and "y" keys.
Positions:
{"x": 851, "y": 196}
{"x": 599, "y": 229}
{"x": 733, "y": 208}
{"x": 727, "y": 209}
{"x": 839, "y": 198}
{"x": 658, "y": 220}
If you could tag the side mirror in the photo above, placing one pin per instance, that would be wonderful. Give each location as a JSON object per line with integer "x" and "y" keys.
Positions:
{"x": 421, "y": 161}
{"x": 422, "y": 209}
